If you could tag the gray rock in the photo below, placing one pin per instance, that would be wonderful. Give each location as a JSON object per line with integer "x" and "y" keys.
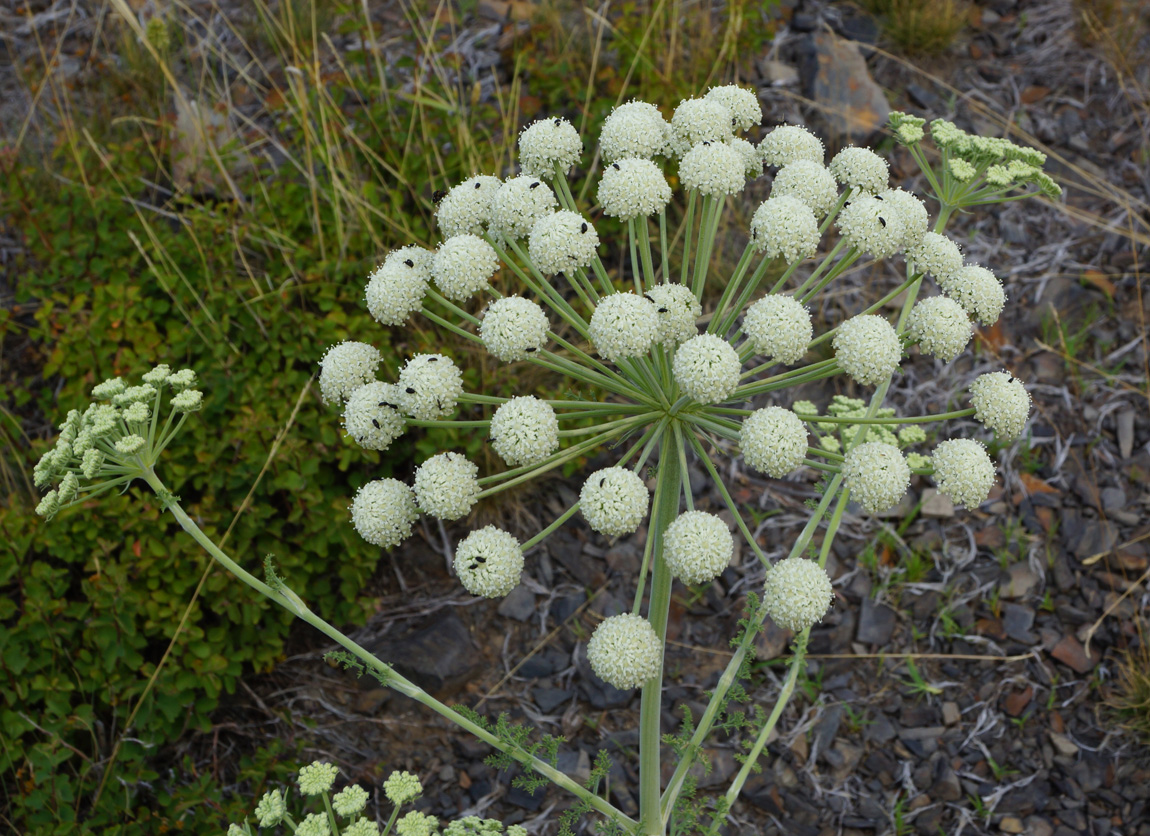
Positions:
{"x": 935, "y": 504}
{"x": 778, "y": 74}
{"x": 1020, "y": 583}
{"x": 876, "y": 623}
{"x": 851, "y": 106}
{"x": 1113, "y": 499}
{"x": 439, "y": 657}
{"x": 827, "y": 728}
{"x": 1097, "y": 537}
{"x": 1017, "y": 621}
{"x": 881, "y": 730}
{"x": 576, "y": 765}
{"x": 946, "y": 786}
{"x": 519, "y": 604}
{"x": 549, "y": 699}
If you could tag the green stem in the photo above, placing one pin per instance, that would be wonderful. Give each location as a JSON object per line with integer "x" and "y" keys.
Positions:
{"x": 736, "y": 278}
{"x": 916, "y": 419}
{"x": 551, "y": 529}
{"x": 664, "y": 266}
{"x": 687, "y": 237}
{"x": 633, "y": 246}
{"x": 731, "y": 506}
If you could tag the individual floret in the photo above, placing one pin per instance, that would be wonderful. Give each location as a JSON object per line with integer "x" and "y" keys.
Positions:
{"x": 677, "y": 310}
{"x": 396, "y": 288}
{"x": 963, "y": 471}
{"x": 633, "y": 188}
{"x": 623, "y": 325}
{"x": 697, "y": 547}
{"x": 466, "y": 208}
{"x": 752, "y": 162}
{"x": 344, "y": 368}
{"x": 699, "y": 120}
{"x": 809, "y": 182}
{"x": 489, "y": 562}
{"x": 372, "y": 416}
{"x": 624, "y": 651}
{"x": 774, "y": 441}
{"x": 614, "y": 501}
{"x": 524, "y": 431}
{"x": 860, "y": 170}
{"x": 383, "y": 511}
{"x": 940, "y": 326}
{"x": 549, "y": 144}
{"x": 913, "y": 213}
{"x": 562, "y": 242}
{"x": 635, "y": 129}
{"x": 513, "y": 328}
{"x": 1001, "y": 403}
{"x": 713, "y": 168}
{"x": 868, "y": 349}
{"x": 978, "y": 291}
{"x": 872, "y": 226}
{"x": 797, "y": 593}
{"x": 463, "y": 265}
{"x": 779, "y": 327}
{"x": 447, "y": 486}
{"x": 741, "y": 102}
{"x": 707, "y": 368}
{"x": 787, "y": 227}
{"x": 787, "y": 144}
{"x": 877, "y": 475}
{"x": 935, "y": 255}
{"x": 518, "y": 204}
{"x": 430, "y": 386}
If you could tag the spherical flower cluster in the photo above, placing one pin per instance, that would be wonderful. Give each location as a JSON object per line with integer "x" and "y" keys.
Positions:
{"x": 270, "y": 811}
{"x": 518, "y": 204}
{"x": 547, "y": 144}
{"x": 513, "y": 328}
{"x": 402, "y": 788}
{"x": 430, "y": 386}
{"x": 713, "y": 168}
{"x": 877, "y": 475}
{"x": 797, "y": 593}
{"x": 697, "y": 547}
{"x": 463, "y": 265}
{"x": 867, "y": 348}
{"x": 740, "y": 102}
{"x": 861, "y": 170}
{"x": 698, "y": 120}
{"x": 372, "y": 415}
{"x": 779, "y": 327}
{"x": 396, "y": 288}
{"x": 913, "y": 213}
{"x": 978, "y": 291}
{"x": 624, "y": 651}
{"x": 936, "y": 255}
{"x": 787, "y": 144}
{"x": 349, "y": 801}
{"x": 1001, "y": 403}
{"x": 787, "y": 227}
{"x": 633, "y": 188}
{"x": 752, "y": 162}
{"x": 562, "y": 242}
{"x": 447, "y": 486}
{"x": 361, "y": 827}
{"x": 416, "y": 823}
{"x": 489, "y": 562}
{"x": 774, "y": 441}
{"x": 614, "y": 501}
{"x": 635, "y": 129}
{"x": 313, "y": 824}
{"x": 940, "y": 326}
{"x": 344, "y": 368}
{"x": 317, "y": 777}
{"x": 873, "y": 226}
{"x": 963, "y": 471}
{"x": 677, "y": 310}
{"x": 809, "y": 182}
{"x": 623, "y": 325}
{"x": 466, "y": 208}
{"x": 707, "y": 368}
{"x": 524, "y": 431}
{"x": 383, "y": 512}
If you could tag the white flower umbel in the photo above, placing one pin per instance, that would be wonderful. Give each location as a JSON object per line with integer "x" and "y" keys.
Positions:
{"x": 614, "y": 501}
{"x": 624, "y": 651}
{"x": 344, "y": 368}
{"x": 513, "y": 328}
{"x": 978, "y": 291}
{"x": 489, "y": 562}
{"x": 635, "y": 129}
{"x": 752, "y": 162}
{"x": 872, "y": 226}
{"x": 518, "y": 204}
{"x": 372, "y": 416}
{"x": 940, "y": 326}
{"x": 548, "y": 143}
{"x": 697, "y": 547}
{"x": 868, "y": 348}
{"x": 713, "y": 168}
{"x": 464, "y": 265}
{"x": 877, "y": 475}
{"x": 447, "y": 486}
{"x": 402, "y": 788}
{"x": 936, "y": 256}
{"x": 524, "y": 431}
{"x": 779, "y": 327}
{"x": 915, "y": 220}
{"x": 633, "y": 188}
{"x": 774, "y": 441}
{"x": 270, "y": 811}
{"x": 430, "y": 386}
{"x": 797, "y": 593}
{"x": 350, "y": 801}
{"x": 623, "y": 325}
{"x": 860, "y": 170}
{"x": 809, "y": 182}
{"x": 562, "y": 243}
{"x": 396, "y": 288}
{"x": 787, "y": 227}
{"x": 466, "y": 208}
{"x": 383, "y": 511}
{"x": 677, "y": 310}
{"x": 1001, "y": 403}
{"x": 741, "y": 102}
{"x": 787, "y": 144}
{"x": 699, "y": 120}
{"x": 963, "y": 471}
{"x": 707, "y": 368}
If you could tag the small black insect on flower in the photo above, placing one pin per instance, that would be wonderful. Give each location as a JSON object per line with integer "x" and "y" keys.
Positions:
{"x": 439, "y": 194}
